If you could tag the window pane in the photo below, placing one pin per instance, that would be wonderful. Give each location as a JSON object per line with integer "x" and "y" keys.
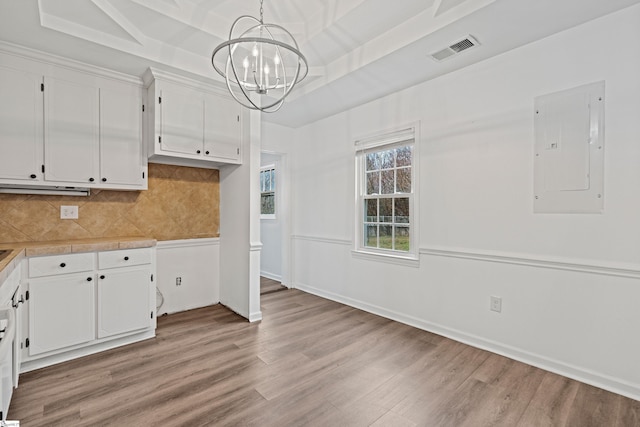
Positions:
{"x": 373, "y": 182}
{"x": 403, "y": 156}
{"x": 373, "y": 161}
{"x": 386, "y": 241}
{"x": 267, "y": 205}
{"x": 403, "y": 185}
{"x": 273, "y": 180}
{"x": 386, "y": 213}
{"x": 371, "y": 210}
{"x": 262, "y": 181}
{"x": 402, "y": 242}
{"x": 387, "y": 182}
{"x": 267, "y": 181}
{"x": 371, "y": 236}
{"x": 402, "y": 210}
{"x": 386, "y": 159}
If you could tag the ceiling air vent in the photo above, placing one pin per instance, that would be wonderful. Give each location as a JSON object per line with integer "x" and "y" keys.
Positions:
{"x": 457, "y": 47}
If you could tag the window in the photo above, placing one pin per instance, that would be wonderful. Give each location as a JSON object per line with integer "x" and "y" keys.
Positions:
{"x": 268, "y": 192}
{"x": 386, "y": 191}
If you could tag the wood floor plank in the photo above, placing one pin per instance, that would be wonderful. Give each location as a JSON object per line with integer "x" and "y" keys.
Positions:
{"x": 309, "y": 362}
{"x": 629, "y": 414}
{"x": 593, "y": 407}
{"x": 268, "y": 286}
{"x": 551, "y": 403}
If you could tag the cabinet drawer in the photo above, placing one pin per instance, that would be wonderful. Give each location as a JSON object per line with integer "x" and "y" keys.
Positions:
{"x": 124, "y": 258}
{"x": 60, "y": 264}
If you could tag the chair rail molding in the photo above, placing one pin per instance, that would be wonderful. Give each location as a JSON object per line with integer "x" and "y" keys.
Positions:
{"x": 557, "y": 263}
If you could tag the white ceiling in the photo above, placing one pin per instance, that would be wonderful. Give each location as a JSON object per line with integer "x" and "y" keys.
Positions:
{"x": 358, "y": 50}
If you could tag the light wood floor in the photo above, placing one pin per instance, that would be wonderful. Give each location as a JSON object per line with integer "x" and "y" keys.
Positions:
{"x": 309, "y": 362}
{"x": 268, "y": 286}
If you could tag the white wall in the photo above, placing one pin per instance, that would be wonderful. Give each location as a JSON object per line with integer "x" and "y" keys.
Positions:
{"x": 197, "y": 263}
{"x": 271, "y": 229}
{"x": 570, "y": 283}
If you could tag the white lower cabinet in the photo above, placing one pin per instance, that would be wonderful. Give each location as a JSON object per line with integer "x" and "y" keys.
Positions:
{"x": 61, "y": 312}
{"x": 123, "y": 301}
{"x": 72, "y": 313}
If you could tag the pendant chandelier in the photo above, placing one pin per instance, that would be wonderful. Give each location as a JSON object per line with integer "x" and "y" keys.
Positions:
{"x": 259, "y": 61}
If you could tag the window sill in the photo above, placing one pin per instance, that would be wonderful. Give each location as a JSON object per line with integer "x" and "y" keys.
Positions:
{"x": 407, "y": 261}
{"x": 267, "y": 216}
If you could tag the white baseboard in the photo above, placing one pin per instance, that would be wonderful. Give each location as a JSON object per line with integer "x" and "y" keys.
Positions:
{"x": 276, "y": 277}
{"x": 596, "y": 379}
{"x": 255, "y": 316}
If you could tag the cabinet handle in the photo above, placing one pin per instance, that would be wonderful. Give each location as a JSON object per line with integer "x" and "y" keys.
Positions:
{"x": 104, "y": 179}
{"x": 206, "y": 152}
{"x": 102, "y": 276}
{"x": 63, "y": 265}
{"x": 198, "y": 151}
{"x": 126, "y": 258}
{"x": 33, "y": 176}
{"x": 91, "y": 179}
{"x": 89, "y": 279}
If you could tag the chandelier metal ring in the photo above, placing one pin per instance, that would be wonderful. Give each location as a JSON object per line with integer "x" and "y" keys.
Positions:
{"x": 260, "y": 37}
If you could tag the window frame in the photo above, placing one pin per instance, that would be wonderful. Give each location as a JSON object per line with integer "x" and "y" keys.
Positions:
{"x": 406, "y": 136}
{"x": 274, "y": 191}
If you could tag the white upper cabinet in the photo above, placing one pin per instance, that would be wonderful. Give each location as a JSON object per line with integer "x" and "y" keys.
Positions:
{"x": 181, "y": 120}
{"x": 222, "y": 127}
{"x": 72, "y": 126}
{"x": 191, "y": 123}
{"x": 62, "y": 127}
{"x": 122, "y": 159}
{"x": 20, "y": 125}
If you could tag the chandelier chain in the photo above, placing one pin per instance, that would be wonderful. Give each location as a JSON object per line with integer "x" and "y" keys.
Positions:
{"x": 261, "y": 12}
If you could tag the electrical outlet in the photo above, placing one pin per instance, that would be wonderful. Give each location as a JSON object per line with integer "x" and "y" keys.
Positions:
{"x": 178, "y": 281}
{"x": 68, "y": 212}
{"x": 495, "y": 304}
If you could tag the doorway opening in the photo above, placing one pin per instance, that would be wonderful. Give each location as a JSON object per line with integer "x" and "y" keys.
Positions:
{"x": 275, "y": 228}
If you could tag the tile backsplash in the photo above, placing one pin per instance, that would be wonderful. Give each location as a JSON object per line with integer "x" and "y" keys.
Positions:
{"x": 181, "y": 203}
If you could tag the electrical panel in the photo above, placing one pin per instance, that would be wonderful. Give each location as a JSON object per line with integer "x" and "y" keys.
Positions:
{"x": 569, "y": 151}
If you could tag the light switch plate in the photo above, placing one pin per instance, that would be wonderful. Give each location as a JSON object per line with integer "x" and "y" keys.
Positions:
{"x": 68, "y": 212}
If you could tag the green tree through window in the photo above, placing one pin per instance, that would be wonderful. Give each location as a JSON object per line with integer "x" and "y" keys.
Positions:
{"x": 268, "y": 191}
{"x": 387, "y": 198}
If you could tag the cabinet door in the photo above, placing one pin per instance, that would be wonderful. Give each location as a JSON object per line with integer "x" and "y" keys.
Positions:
{"x": 20, "y": 125}
{"x": 181, "y": 120}
{"x": 223, "y": 131}
{"x": 121, "y": 156}
{"x": 123, "y": 300}
{"x": 61, "y": 312}
{"x": 71, "y": 120}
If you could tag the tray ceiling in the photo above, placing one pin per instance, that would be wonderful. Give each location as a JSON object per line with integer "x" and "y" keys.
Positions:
{"x": 358, "y": 50}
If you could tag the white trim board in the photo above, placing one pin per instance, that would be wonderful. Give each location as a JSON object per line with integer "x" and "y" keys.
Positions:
{"x": 578, "y": 265}
{"x": 271, "y": 276}
{"x": 605, "y": 382}
{"x": 322, "y": 239}
{"x": 605, "y": 268}
{"x": 185, "y": 243}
